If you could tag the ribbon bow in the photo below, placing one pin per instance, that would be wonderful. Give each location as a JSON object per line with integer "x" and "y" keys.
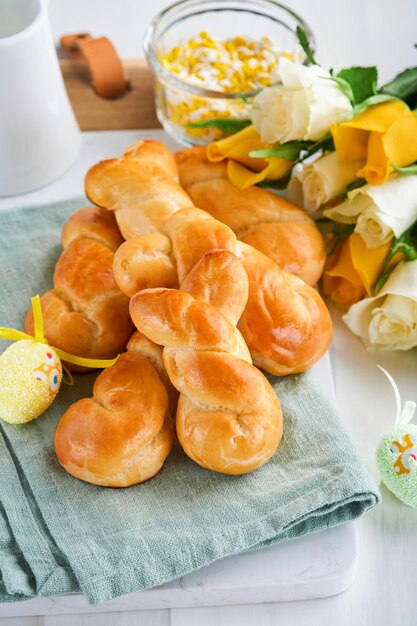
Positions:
{"x": 16, "y": 335}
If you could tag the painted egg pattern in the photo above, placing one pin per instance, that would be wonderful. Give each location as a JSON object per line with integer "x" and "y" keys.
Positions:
{"x": 397, "y": 462}
{"x": 48, "y": 372}
{"x": 30, "y": 377}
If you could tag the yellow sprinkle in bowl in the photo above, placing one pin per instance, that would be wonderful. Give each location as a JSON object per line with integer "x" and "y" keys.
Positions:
{"x": 211, "y": 57}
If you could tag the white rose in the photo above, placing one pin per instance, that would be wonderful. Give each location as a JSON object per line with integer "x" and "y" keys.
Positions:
{"x": 388, "y": 321}
{"x": 321, "y": 181}
{"x": 303, "y": 107}
{"x": 380, "y": 212}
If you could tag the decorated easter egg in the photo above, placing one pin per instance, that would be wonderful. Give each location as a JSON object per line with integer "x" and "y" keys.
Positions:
{"x": 30, "y": 377}
{"x": 397, "y": 462}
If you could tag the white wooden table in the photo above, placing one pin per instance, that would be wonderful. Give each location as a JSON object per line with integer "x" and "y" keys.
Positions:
{"x": 357, "y": 32}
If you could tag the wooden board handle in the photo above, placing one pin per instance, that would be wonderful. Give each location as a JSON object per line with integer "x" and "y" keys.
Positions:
{"x": 136, "y": 109}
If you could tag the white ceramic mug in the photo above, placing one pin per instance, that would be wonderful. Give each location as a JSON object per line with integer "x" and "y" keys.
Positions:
{"x": 39, "y": 135}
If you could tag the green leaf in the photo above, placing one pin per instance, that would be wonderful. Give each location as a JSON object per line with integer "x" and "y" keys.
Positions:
{"x": 383, "y": 277}
{"x": 343, "y": 234}
{"x": 290, "y": 150}
{"x": 359, "y": 182}
{"x": 376, "y": 99}
{"x": 305, "y": 44}
{"x": 409, "y": 251}
{"x": 405, "y": 244}
{"x": 228, "y": 126}
{"x": 344, "y": 87}
{"x": 362, "y": 81}
{"x": 406, "y": 171}
{"x": 326, "y": 144}
{"x": 298, "y": 150}
{"x": 403, "y": 86}
{"x": 244, "y": 98}
{"x": 412, "y": 102}
{"x": 279, "y": 184}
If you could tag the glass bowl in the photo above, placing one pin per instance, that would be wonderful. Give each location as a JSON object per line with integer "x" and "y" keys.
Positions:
{"x": 179, "y": 103}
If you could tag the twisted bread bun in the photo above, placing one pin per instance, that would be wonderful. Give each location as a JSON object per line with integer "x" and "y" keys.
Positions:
{"x": 294, "y": 338}
{"x": 194, "y": 232}
{"x": 93, "y": 223}
{"x": 123, "y": 434}
{"x": 157, "y": 259}
{"x": 142, "y": 194}
{"x": 152, "y": 352}
{"x": 150, "y": 151}
{"x": 228, "y": 419}
{"x": 219, "y": 280}
{"x": 272, "y": 225}
{"x": 85, "y": 313}
{"x": 145, "y": 261}
{"x": 285, "y": 323}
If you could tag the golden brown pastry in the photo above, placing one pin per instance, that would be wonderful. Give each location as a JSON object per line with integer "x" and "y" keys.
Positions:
{"x": 93, "y": 223}
{"x": 272, "y": 225}
{"x": 151, "y": 151}
{"x": 142, "y": 194}
{"x": 123, "y": 434}
{"x": 152, "y": 352}
{"x": 228, "y": 419}
{"x": 85, "y": 313}
{"x": 145, "y": 261}
{"x": 285, "y": 324}
{"x": 218, "y": 279}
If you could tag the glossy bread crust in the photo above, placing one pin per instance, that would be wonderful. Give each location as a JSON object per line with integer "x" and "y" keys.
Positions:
{"x": 123, "y": 434}
{"x": 141, "y": 193}
{"x": 285, "y": 324}
{"x": 274, "y": 226}
{"x": 228, "y": 419}
{"x": 85, "y": 313}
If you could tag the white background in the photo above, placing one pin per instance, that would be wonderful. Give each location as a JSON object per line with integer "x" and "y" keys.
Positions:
{"x": 353, "y": 32}
{"x": 348, "y": 32}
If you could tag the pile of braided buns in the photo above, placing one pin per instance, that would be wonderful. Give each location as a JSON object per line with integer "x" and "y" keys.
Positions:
{"x": 209, "y": 309}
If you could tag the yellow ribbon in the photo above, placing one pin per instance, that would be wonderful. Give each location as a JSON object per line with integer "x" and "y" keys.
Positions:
{"x": 16, "y": 335}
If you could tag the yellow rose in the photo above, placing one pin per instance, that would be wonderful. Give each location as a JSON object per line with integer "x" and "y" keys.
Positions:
{"x": 382, "y": 135}
{"x": 243, "y": 170}
{"x": 352, "y": 270}
{"x": 388, "y": 321}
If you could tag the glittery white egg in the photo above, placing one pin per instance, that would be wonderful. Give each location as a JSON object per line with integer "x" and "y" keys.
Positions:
{"x": 30, "y": 377}
{"x": 397, "y": 462}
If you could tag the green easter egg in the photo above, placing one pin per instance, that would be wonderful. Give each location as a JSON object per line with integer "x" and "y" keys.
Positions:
{"x": 397, "y": 461}
{"x": 30, "y": 377}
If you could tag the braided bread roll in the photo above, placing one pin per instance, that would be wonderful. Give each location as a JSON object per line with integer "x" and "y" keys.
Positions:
{"x": 272, "y": 225}
{"x": 85, "y": 313}
{"x": 123, "y": 434}
{"x": 286, "y": 324}
{"x": 152, "y": 352}
{"x": 140, "y": 188}
{"x": 228, "y": 419}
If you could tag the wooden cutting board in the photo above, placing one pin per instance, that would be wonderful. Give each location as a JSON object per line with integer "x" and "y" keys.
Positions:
{"x": 134, "y": 110}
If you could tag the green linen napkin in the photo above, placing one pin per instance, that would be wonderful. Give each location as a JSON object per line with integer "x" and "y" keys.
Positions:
{"x": 59, "y": 535}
